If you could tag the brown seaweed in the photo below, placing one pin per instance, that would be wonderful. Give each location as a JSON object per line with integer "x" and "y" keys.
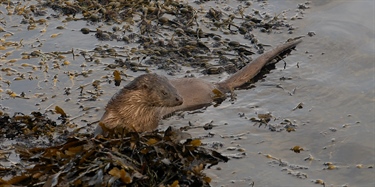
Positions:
{"x": 147, "y": 159}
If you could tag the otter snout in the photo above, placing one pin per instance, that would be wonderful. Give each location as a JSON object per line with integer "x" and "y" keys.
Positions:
{"x": 179, "y": 100}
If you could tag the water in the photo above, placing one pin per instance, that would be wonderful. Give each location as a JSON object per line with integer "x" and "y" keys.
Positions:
{"x": 335, "y": 83}
{"x": 332, "y": 74}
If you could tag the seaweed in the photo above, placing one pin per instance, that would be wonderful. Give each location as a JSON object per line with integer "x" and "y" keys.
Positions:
{"x": 132, "y": 159}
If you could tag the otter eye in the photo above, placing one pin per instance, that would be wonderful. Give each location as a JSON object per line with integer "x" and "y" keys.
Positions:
{"x": 164, "y": 92}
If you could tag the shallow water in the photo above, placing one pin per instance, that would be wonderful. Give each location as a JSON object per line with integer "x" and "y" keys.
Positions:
{"x": 335, "y": 83}
{"x": 332, "y": 74}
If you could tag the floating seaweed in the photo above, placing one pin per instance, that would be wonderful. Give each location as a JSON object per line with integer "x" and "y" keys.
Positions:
{"x": 165, "y": 34}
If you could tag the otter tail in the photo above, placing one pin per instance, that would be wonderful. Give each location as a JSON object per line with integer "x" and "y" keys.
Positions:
{"x": 253, "y": 68}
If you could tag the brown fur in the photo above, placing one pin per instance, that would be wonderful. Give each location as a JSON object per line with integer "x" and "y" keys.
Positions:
{"x": 136, "y": 107}
{"x": 141, "y": 104}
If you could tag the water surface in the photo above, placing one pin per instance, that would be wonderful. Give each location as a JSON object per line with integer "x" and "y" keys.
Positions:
{"x": 332, "y": 74}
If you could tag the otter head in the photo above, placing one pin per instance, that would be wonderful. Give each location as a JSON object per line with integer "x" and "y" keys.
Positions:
{"x": 158, "y": 90}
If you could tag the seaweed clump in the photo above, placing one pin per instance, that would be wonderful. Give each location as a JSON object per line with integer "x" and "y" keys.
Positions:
{"x": 21, "y": 126}
{"x": 147, "y": 159}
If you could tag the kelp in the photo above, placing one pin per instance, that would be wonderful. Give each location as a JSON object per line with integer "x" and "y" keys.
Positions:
{"x": 25, "y": 126}
{"x": 147, "y": 159}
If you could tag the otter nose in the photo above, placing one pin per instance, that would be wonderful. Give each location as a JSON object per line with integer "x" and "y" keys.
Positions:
{"x": 179, "y": 100}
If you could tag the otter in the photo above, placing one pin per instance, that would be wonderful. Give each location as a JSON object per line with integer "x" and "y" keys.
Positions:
{"x": 141, "y": 104}
{"x": 136, "y": 107}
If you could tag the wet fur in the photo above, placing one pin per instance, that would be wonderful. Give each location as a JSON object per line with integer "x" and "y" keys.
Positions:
{"x": 136, "y": 107}
{"x": 141, "y": 104}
